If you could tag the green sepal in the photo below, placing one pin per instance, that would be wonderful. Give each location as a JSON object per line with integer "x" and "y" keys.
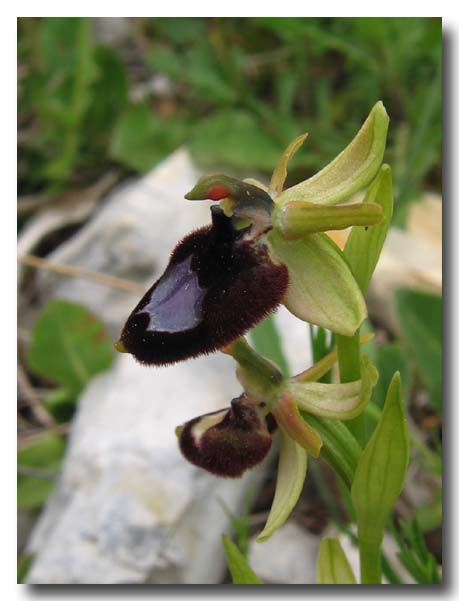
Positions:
{"x": 351, "y": 170}
{"x": 322, "y": 289}
{"x": 291, "y": 474}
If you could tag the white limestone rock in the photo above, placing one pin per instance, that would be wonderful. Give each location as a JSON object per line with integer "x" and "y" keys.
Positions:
{"x": 288, "y": 557}
{"x": 128, "y": 507}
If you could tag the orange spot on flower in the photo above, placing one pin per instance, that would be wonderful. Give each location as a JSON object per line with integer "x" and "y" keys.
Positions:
{"x": 218, "y": 192}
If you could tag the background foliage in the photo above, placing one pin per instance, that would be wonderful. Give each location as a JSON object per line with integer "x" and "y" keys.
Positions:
{"x": 237, "y": 90}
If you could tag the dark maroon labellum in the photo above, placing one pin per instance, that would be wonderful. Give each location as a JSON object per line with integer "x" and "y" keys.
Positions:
{"x": 227, "y": 442}
{"x": 216, "y": 287}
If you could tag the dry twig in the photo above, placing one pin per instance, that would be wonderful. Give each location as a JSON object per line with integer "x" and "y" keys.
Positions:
{"x": 80, "y": 272}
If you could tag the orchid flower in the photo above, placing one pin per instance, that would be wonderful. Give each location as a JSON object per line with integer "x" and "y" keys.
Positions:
{"x": 264, "y": 247}
{"x": 232, "y": 440}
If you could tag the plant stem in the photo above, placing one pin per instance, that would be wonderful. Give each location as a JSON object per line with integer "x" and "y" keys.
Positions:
{"x": 246, "y": 356}
{"x": 349, "y": 370}
{"x": 370, "y": 561}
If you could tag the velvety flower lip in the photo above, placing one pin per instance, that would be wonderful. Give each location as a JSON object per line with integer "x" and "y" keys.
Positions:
{"x": 227, "y": 442}
{"x": 216, "y": 286}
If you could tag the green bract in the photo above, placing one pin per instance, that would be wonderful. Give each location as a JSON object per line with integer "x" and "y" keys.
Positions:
{"x": 351, "y": 170}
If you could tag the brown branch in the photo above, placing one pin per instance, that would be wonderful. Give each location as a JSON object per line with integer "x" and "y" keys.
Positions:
{"x": 33, "y": 202}
{"x": 80, "y": 272}
{"x": 32, "y": 400}
{"x": 25, "y": 441}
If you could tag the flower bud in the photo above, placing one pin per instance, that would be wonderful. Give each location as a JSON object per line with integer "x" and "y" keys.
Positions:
{"x": 227, "y": 442}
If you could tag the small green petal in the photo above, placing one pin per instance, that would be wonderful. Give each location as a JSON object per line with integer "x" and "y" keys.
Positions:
{"x": 280, "y": 172}
{"x": 322, "y": 289}
{"x": 290, "y": 480}
{"x": 351, "y": 170}
{"x": 336, "y": 401}
{"x": 287, "y": 415}
{"x": 297, "y": 219}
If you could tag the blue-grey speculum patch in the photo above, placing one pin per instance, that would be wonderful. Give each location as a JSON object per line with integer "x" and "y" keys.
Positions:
{"x": 176, "y": 303}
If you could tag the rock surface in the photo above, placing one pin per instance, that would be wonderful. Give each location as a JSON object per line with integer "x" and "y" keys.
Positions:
{"x": 128, "y": 508}
{"x": 288, "y": 557}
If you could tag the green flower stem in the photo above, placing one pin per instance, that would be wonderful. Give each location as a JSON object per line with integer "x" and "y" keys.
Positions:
{"x": 257, "y": 374}
{"x": 349, "y": 369}
{"x": 370, "y": 560}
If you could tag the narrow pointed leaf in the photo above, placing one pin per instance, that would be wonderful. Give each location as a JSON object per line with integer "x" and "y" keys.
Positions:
{"x": 287, "y": 415}
{"x": 351, "y": 170}
{"x": 332, "y": 564}
{"x": 290, "y": 480}
{"x": 364, "y": 245}
{"x": 298, "y": 219}
{"x": 241, "y": 572}
{"x": 336, "y": 401}
{"x": 379, "y": 479}
{"x": 280, "y": 172}
{"x": 322, "y": 289}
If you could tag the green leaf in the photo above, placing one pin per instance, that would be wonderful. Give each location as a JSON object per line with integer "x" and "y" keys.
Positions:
{"x": 109, "y": 96}
{"x": 141, "y": 138}
{"x": 364, "y": 244}
{"x": 69, "y": 346}
{"x": 291, "y": 474}
{"x": 351, "y": 170}
{"x": 332, "y": 564}
{"x": 420, "y": 321}
{"x": 24, "y": 564}
{"x": 379, "y": 479}
{"x": 322, "y": 289}
{"x": 61, "y": 403}
{"x": 241, "y": 572}
{"x": 44, "y": 455}
{"x": 67, "y": 53}
{"x": 336, "y": 401}
{"x": 234, "y": 138}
